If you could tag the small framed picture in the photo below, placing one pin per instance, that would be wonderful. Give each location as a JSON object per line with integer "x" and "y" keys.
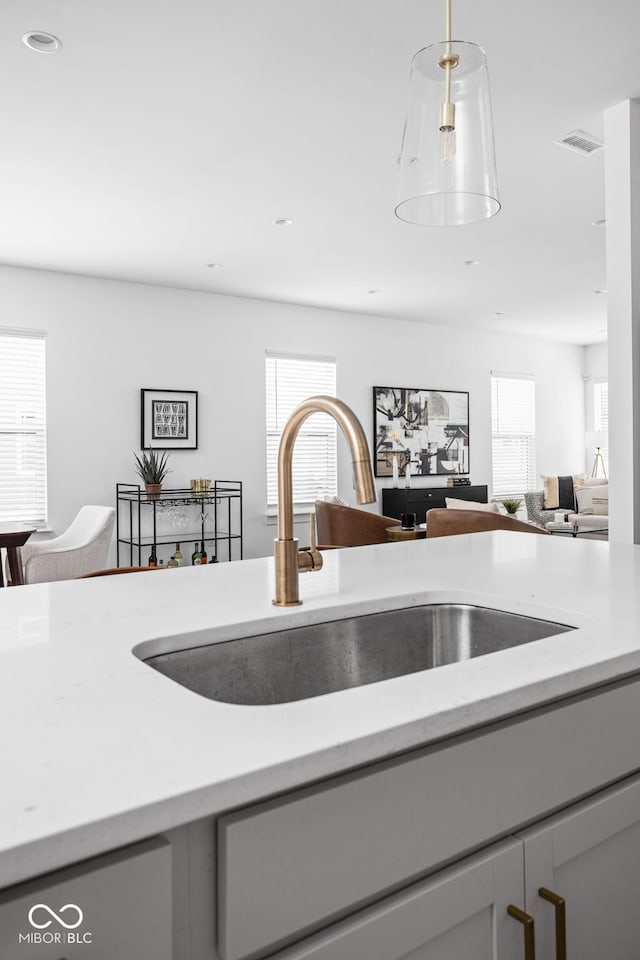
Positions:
{"x": 169, "y": 419}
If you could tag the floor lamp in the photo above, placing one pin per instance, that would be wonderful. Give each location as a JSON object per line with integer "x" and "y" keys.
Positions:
{"x": 598, "y": 439}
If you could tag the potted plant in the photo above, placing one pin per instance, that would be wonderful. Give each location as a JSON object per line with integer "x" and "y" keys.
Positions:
{"x": 152, "y": 468}
{"x": 512, "y": 505}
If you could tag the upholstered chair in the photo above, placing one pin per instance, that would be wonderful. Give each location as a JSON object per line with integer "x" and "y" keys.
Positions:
{"x": 534, "y": 502}
{"x": 82, "y": 548}
{"x": 448, "y": 523}
{"x": 341, "y": 526}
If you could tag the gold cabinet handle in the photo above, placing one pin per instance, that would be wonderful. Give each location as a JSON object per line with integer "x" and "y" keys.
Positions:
{"x": 527, "y": 922}
{"x": 561, "y": 920}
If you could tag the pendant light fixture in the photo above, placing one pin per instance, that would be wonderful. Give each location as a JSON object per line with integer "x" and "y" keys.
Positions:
{"x": 447, "y": 162}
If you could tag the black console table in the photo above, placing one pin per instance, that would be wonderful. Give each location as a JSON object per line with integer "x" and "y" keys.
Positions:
{"x": 419, "y": 500}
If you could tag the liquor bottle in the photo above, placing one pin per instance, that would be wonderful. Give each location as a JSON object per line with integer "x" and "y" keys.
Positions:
{"x": 161, "y": 562}
{"x": 153, "y": 560}
{"x": 196, "y": 556}
{"x": 172, "y": 562}
{"x": 178, "y": 555}
{"x": 203, "y": 554}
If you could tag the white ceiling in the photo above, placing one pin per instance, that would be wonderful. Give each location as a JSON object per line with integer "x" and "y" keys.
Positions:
{"x": 168, "y": 135}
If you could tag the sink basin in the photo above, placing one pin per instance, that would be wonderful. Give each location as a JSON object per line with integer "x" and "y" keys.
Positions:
{"x": 305, "y": 662}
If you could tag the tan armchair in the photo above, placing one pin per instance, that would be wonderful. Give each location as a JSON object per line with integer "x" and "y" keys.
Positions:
{"x": 112, "y": 571}
{"x": 341, "y": 526}
{"x": 448, "y": 523}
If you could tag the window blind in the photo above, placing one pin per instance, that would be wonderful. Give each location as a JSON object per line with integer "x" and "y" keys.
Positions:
{"x": 601, "y": 413}
{"x": 601, "y": 404}
{"x": 289, "y": 381}
{"x": 23, "y": 463}
{"x": 513, "y": 435}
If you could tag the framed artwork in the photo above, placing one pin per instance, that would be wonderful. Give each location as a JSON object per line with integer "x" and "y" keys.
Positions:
{"x": 425, "y": 430}
{"x": 169, "y": 419}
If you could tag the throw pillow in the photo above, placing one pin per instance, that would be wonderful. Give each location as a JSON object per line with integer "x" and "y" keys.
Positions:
{"x": 558, "y": 493}
{"x": 584, "y": 499}
{"x": 601, "y": 502}
{"x": 454, "y": 504}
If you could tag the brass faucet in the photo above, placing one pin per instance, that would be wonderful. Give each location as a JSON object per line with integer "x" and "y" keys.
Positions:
{"x": 288, "y": 560}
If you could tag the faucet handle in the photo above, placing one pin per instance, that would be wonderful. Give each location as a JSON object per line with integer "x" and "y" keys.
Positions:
{"x": 309, "y": 560}
{"x": 312, "y": 530}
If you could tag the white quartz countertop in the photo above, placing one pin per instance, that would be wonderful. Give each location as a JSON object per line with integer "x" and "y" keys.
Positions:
{"x": 99, "y": 750}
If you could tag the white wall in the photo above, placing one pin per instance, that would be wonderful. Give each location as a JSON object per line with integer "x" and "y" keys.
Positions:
{"x": 108, "y": 339}
{"x": 596, "y": 361}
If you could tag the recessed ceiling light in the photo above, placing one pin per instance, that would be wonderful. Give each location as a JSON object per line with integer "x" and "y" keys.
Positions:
{"x": 500, "y": 313}
{"x": 598, "y": 223}
{"x": 282, "y": 222}
{"x": 373, "y": 291}
{"x": 599, "y": 291}
{"x": 41, "y": 42}
{"x": 214, "y": 266}
{"x": 471, "y": 263}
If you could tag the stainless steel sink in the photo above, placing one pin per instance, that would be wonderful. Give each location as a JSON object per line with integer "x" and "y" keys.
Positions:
{"x": 304, "y": 662}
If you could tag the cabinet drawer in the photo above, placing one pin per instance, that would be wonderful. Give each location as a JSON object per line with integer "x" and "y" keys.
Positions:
{"x": 288, "y": 865}
{"x": 420, "y": 496}
{"x": 115, "y": 906}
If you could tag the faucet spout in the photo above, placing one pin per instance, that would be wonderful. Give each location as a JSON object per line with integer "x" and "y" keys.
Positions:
{"x": 286, "y": 546}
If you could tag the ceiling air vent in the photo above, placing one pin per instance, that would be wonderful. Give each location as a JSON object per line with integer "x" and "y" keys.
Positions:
{"x": 580, "y": 142}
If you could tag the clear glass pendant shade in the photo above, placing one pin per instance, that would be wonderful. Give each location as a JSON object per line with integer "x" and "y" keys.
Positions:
{"x": 448, "y": 177}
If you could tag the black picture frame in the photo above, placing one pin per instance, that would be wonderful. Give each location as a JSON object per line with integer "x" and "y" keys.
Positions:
{"x": 168, "y": 419}
{"x": 425, "y": 429}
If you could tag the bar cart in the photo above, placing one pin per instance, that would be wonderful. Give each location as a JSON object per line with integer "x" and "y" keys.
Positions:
{"x": 213, "y": 516}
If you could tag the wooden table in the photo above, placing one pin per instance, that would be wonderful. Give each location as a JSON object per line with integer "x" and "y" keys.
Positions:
{"x": 403, "y": 533}
{"x": 12, "y": 537}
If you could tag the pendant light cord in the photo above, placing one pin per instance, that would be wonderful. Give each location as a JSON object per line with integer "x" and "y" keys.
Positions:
{"x": 448, "y": 40}
{"x": 448, "y": 61}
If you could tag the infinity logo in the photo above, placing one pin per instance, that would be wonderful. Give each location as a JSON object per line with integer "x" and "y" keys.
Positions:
{"x": 55, "y": 916}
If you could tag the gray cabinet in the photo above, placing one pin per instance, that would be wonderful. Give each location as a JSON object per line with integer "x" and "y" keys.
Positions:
{"x": 589, "y": 855}
{"x": 290, "y": 866}
{"x": 115, "y": 906}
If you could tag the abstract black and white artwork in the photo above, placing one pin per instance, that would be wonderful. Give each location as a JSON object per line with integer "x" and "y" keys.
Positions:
{"x": 169, "y": 419}
{"x": 424, "y": 430}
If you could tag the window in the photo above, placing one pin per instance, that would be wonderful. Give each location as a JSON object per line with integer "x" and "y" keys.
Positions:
{"x": 513, "y": 428}
{"x": 23, "y": 464}
{"x": 289, "y": 381}
{"x": 601, "y": 417}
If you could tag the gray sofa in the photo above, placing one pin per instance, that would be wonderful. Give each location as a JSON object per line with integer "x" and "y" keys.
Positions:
{"x": 584, "y": 517}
